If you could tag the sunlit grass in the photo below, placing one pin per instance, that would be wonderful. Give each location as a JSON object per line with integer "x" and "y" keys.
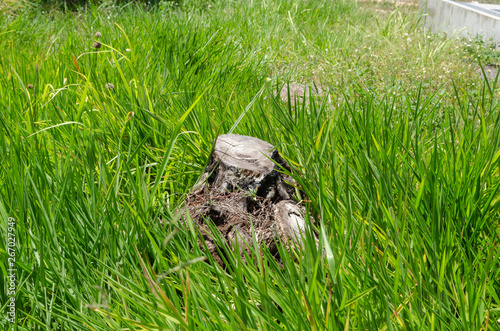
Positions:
{"x": 399, "y": 160}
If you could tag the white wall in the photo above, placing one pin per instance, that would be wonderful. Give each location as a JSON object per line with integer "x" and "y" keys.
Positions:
{"x": 456, "y": 18}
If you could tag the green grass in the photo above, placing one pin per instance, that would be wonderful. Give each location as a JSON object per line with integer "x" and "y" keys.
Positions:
{"x": 400, "y": 162}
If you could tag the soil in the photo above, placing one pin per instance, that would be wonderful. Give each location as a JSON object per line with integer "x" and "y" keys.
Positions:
{"x": 491, "y": 72}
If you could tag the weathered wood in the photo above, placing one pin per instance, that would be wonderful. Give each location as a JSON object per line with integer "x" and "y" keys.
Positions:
{"x": 243, "y": 186}
{"x": 242, "y": 163}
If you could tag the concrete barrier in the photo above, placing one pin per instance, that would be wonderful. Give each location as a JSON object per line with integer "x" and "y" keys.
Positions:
{"x": 463, "y": 19}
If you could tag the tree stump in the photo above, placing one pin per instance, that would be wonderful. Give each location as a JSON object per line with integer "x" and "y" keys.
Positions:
{"x": 243, "y": 186}
{"x": 297, "y": 92}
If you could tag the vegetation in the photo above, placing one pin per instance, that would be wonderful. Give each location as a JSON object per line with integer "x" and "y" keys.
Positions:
{"x": 102, "y": 137}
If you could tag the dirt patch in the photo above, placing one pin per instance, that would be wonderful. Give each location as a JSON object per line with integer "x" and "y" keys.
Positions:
{"x": 491, "y": 72}
{"x": 411, "y": 3}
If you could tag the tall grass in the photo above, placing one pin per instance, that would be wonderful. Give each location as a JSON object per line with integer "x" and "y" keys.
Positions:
{"x": 100, "y": 145}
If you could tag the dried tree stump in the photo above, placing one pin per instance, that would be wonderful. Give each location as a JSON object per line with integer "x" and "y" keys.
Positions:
{"x": 243, "y": 186}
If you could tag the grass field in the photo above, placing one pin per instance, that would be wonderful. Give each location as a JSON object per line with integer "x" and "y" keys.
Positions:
{"x": 101, "y": 138}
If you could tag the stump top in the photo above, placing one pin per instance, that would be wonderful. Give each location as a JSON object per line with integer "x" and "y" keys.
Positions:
{"x": 245, "y": 152}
